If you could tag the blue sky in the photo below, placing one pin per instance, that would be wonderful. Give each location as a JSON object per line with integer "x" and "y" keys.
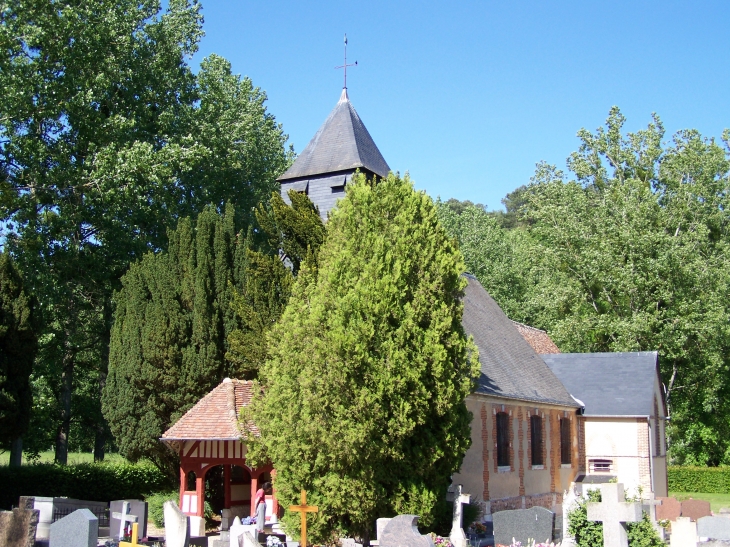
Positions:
{"x": 469, "y": 96}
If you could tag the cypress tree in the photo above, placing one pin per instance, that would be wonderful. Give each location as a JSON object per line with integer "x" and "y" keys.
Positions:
{"x": 369, "y": 367}
{"x": 18, "y": 347}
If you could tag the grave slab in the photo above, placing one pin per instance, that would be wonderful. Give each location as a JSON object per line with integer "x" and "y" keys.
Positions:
{"x": 670, "y": 509}
{"x": 696, "y": 509}
{"x": 614, "y": 513}
{"x": 684, "y": 533}
{"x": 79, "y": 529}
{"x": 714, "y": 527}
{"x": 523, "y": 524}
{"x": 137, "y": 508}
{"x": 401, "y": 531}
{"x": 18, "y": 527}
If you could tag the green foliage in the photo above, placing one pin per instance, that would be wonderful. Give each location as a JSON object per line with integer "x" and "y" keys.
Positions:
{"x": 589, "y": 533}
{"x": 296, "y": 232}
{"x": 156, "y": 502}
{"x": 18, "y": 346}
{"x": 172, "y": 319}
{"x": 369, "y": 367}
{"x": 713, "y": 480}
{"x": 631, "y": 254}
{"x": 107, "y": 138}
{"x": 88, "y": 481}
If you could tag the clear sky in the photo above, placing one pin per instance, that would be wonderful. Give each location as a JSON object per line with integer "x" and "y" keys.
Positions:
{"x": 468, "y": 96}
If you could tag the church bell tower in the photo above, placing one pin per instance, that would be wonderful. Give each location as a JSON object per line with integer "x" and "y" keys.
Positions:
{"x": 340, "y": 147}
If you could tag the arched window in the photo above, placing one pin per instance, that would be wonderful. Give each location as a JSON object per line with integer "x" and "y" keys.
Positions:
{"x": 503, "y": 439}
{"x": 536, "y": 439}
{"x": 565, "y": 441}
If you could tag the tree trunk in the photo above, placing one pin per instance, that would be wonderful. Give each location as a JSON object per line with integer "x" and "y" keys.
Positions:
{"x": 16, "y": 452}
{"x": 101, "y": 426}
{"x": 66, "y": 390}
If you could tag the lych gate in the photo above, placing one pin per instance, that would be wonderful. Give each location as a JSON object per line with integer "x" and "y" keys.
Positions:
{"x": 207, "y": 436}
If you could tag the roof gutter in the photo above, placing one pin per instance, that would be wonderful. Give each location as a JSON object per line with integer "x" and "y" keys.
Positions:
{"x": 524, "y": 400}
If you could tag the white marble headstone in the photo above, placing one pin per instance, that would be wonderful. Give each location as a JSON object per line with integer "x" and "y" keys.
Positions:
{"x": 177, "y": 531}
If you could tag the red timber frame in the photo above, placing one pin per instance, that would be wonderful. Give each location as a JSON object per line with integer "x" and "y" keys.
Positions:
{"x": 199, "y": 456}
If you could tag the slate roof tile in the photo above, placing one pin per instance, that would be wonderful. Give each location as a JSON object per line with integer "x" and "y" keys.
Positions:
{"x": 342, "y": 143}
{"x": 510, "y": 368}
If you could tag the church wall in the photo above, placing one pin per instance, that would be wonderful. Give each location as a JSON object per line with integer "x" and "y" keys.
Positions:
{"x": 625, "y": 442}
{"x": 520, "y": 484}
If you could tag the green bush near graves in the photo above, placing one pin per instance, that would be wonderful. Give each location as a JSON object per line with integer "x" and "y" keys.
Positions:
{"x": 155, "y": 503}
{"x": 712, "y": 480}
{"x": 86, "y": 481}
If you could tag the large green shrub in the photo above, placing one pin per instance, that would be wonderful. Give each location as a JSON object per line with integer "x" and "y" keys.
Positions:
{"x": 86, "y": 481}
{"x": 711, "y": 480}
{"x": 156, "y": 502}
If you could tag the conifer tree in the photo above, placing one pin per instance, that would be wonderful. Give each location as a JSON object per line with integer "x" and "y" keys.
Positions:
{"x": 369, "y": 367}
{"x": 291, "y": 234}
{"x": 18, "y": 346}
{"x": 172, "y": 318}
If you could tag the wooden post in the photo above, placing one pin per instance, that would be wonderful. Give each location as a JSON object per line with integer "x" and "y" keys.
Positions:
{"x": 303, "y": 508}
{"x": 133, "y": 539}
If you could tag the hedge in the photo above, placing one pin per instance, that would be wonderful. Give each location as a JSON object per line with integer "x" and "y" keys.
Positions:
{"x": 709, "y": 480}
{"x": 85, "y": 481}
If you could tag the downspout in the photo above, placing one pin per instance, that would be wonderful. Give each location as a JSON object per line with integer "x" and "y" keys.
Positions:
{"x": 651, "y": 455}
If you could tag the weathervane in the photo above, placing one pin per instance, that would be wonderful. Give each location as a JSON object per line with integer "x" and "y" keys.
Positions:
{"x": 346, "y": 65}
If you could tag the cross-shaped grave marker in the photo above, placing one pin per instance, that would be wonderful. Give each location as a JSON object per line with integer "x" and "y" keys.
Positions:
{"x": 614, "y": 512}
{"x": 303, "y": 508}
{"x": 457, "y": 536}
{"x": 652, "y": 503}
{"x": 133, "y": 542}
{"x": 124, "y": 517}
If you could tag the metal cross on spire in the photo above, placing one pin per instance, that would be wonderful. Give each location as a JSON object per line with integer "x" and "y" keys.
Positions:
{"x": 346, "y": 65}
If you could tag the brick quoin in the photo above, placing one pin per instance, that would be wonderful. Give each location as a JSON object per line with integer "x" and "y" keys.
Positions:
{"x": 581, "y": 444}
{"x": 554, "y": 448}
{"x": 485, "y": 452}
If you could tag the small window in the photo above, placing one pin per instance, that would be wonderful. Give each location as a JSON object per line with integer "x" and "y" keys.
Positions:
{"x": 536, "y": 438}
{"x": 565, "y": 441}
{"x": 502, "y": 439}
{"x": 600, "y": 466}
{"x": 338, "y": 189}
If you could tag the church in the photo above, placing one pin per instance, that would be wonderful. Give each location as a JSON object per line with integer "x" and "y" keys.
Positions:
{"x": 543, "y": 422}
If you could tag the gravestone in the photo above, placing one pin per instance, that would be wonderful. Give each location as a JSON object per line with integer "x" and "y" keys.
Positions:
{"x": 79, "y": 529}
{"x": 380, "y": 525}
{"x": 237, "y": 530}
{"x": 177, "y": 533}
{"x": 684, "y": 533}
{"x": 614, "y": 513}
{"x": 670, "y": 509}
{"x": 714, "y": 527}
{"x": 401, "y": 531}
{"x": 248, "y": 539}
{"x": 696, "y": 509}
{"x": 126, "y": 509}
{"x": 523, "y": 524}
{"x": 18, "y": 527}
{"x": 53, "y": 509}
{"x": 457, "y": 536}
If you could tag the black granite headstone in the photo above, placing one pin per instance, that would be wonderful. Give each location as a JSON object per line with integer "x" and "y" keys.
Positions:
{"x": 523, "y": 524}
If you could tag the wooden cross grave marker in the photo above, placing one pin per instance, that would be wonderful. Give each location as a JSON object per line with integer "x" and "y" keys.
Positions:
{"x": 303, "y": 508}
{"x": 133, "y": 542}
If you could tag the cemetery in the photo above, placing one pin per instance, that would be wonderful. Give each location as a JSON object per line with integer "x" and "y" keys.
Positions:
{"x": 306, "y": 350}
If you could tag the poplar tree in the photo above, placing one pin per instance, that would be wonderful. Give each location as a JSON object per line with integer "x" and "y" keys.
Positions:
{"x": 18, "y": 346}
{"x": 369, "y": 367}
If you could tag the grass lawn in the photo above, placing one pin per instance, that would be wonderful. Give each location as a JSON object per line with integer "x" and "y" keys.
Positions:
{"x": 73, "y": 458}
{"x": 717, "y": 501}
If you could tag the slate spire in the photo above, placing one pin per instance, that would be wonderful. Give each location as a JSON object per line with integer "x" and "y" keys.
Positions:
{"x": 341, "y": 145}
